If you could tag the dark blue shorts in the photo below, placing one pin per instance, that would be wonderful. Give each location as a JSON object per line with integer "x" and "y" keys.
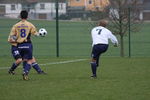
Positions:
{"x": 98, "y": 49}
{"x": 25, "y": 50}
{"x": 15, "y": 52}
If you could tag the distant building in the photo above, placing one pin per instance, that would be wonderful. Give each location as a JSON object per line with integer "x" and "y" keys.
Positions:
{"x": 145, "y": 13}
{"x": 82, "y": 8}
{"x": 38, "y": 9}
{"x": 45, "y": 9}
{"x": 10, "y": 10}
{"x": 92, "y": 5}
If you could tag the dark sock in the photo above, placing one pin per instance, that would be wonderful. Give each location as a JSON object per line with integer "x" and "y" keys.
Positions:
{"x": 14, "y": 66}
{"x": 36, "y": 67}
{"x": 26, "y": 67}
{"x": 94, "y": 68}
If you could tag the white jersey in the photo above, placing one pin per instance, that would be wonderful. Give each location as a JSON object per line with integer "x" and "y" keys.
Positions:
{"x": 101, "y": 35}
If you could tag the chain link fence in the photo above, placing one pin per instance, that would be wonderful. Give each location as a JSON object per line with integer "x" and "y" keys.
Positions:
{"x": 75, "y": 24}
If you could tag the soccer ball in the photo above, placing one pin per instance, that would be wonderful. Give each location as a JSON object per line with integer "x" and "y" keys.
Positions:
{"x": 42, "y": 32}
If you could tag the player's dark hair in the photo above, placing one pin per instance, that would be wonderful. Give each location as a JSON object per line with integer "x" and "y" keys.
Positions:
{"x": 103, "y": 23}
{"x": 23, "y": 14}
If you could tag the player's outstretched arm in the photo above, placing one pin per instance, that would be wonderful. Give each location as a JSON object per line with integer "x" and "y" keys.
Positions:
{"x": 37, "y": 34}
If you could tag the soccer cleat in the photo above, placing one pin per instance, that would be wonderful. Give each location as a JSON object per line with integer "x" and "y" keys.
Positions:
{"x": 42, "y": 72}
{"x": 11, "y": 72}
{"x": 25, "y": 76}
{"x": 94, "y": 76}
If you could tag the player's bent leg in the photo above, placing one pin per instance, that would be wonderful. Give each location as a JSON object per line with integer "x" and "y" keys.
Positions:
{"x": 35, "y": 65}
{"x": 26, "y": 69}
{"x": 37, "y": 68}
{"x": 14, "y": 66}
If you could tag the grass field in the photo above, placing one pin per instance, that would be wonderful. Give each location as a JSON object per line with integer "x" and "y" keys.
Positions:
{"x": 68, "y": 76}
{"x": 74, "y": 37}
{"x": 68, "y": 79}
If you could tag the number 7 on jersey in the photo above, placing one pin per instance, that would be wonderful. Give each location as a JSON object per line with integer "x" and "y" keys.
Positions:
{"x": 99, "y": 31}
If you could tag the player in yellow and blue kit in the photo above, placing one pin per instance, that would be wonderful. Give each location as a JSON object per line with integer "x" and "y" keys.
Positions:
{"x": 21, "y": 44}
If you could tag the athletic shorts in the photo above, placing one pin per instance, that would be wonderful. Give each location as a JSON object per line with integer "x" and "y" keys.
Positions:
{"x": 25, "y": 50}
{"x": 15, "y": 52}
{"x": 98, "y": 49}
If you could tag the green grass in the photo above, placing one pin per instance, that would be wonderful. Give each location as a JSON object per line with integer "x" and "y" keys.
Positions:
{"x": 118, "y": 79}
{"x": 75, "y": 39}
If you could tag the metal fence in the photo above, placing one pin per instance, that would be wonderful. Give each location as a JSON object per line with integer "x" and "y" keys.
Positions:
{"x": 69, "y": 33}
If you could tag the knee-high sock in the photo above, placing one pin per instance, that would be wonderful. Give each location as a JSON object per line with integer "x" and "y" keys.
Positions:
{"x": 26, "y": 67}
{"x": 14, "y": 66}
{"x": 36, "y": 67}
{"x": 94, "y": 68}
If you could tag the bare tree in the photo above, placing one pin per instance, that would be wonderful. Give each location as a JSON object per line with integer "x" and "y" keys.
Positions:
{"x": 120, "y": 12}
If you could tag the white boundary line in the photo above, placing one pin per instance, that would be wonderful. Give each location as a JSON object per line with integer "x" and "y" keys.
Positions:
{"x": 62, "y": 62}
{"x": 54, "y": 63}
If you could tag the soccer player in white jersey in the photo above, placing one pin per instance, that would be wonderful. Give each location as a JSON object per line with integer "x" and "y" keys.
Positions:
{"x": 100, "y": 37}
